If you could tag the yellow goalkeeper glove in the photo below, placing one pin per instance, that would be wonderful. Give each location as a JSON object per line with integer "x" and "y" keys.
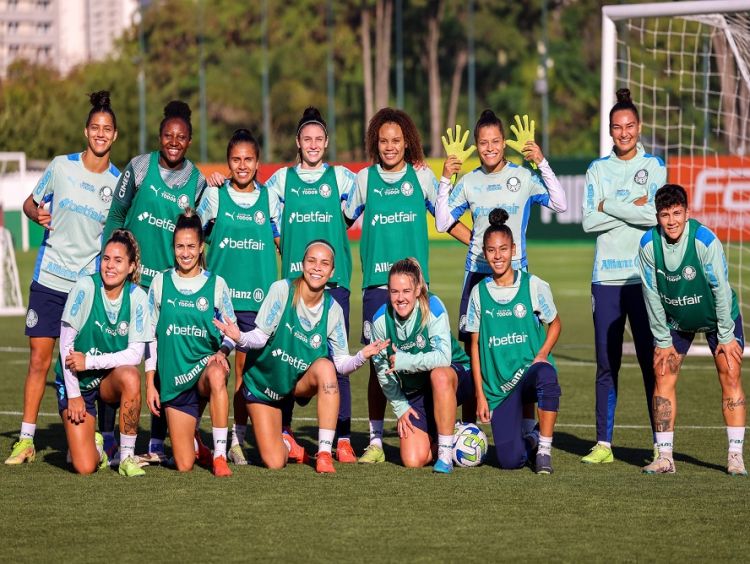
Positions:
{"x": 524, "y": 133}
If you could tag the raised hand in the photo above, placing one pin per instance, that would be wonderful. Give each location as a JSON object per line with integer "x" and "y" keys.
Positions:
{"x": 457, "y": 148}
{"x": 524, "y": 133}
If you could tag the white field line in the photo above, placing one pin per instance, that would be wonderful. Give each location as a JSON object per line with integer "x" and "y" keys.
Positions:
{"x": 364, "y": 420}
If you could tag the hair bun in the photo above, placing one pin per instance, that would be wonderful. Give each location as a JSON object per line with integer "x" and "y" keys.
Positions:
{"x": 100, "y": 98}
{"x": 487, "y": 115}
{"x": 498, "y": 217}
{"x": 311, "y": 113}
{"x": 179, "y": 109}
{"x": 623, "y": 96}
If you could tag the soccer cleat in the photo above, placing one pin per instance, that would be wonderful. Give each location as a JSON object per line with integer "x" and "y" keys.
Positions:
{"x": 154, "y": 457}
{"x": 441, "y": 467}
{"x": 324, "y": 463}
{"x": 203, "y": 455}
{"x": 543, "y": 463}
{"x": 23, "y": 451}
{"x": 735, "y": 464}
{"x": 599, "y": 454}
{"x": 297, "y": 453}
{"x": 104, "y": 460}
{"x": 373, "y": 455}
{"x": 662, "y": 465}
{"x": 345, "y": 452}
{"x": 237, "y": 456}
{"x": 130, "y": 468}
{"x": 220, "y": 467}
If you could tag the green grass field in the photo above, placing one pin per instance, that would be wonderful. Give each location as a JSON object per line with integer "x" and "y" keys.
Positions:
{"x": 386, "y": 512}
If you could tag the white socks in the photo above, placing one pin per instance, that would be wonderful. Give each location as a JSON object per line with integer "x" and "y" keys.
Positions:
{"x": 376, "y": 433}
{"x": 127, "y": 446}
{"x": 736, "y": 437}
{"x": 545, "y": 445}
{"x": 445, "y": 448}
{"x": 604, "y": 444}
{"x": 220, "y": 441}
{"x": 28, "y": 430}
{"x": 665, "y": 443}
{"x": 238, "y": 435}
{"x": 325, "y": 439}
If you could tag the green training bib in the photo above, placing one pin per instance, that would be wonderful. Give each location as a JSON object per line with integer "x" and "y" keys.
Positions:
{"x": 510, "y": 336}
{"x": 153, "y": 215}
{"x": 313, "y": 211}
{"x": 685, "y": 292}
{"x": 187, "y": 336}
{"x": 100, "y": 335}
{"x": 242, "y": 249}
{"x": 394, "y": 226}
{"x": 272, "y": 372}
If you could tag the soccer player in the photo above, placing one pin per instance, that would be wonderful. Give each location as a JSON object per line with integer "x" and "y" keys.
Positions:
{"x": 619, "y": 207}
{"x": 299, "y": 326}
{"x": 496, "y": 183}
{"x": 105, "y": 328}
{"x": 686, "y": 285}
{"x": 311, "y": 194}
{"x": 187, "y": 365}
{"x": 242, "y": 232}
{"x": 71, "y": 202}
{"x": 153, "y": 190}
{"x": 424, "y": 373}
{"x": 511, "y": 353}
{"x": 394, "y": 196}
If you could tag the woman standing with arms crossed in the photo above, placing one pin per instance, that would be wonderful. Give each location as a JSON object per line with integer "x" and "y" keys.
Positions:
{"x": 619, "y": 207}
{"x": 153, "y": 190}
{"x": 105, "y": 328}
{"x": 71, "y": 201}
{"x": 394, "y": 196}
{"x": 187, "y": 364}
{"x": 243, "y": 233}
{"x": 311, "y": 195}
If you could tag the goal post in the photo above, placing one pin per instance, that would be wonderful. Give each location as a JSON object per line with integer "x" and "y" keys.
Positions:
{"x": 687, "y": 65}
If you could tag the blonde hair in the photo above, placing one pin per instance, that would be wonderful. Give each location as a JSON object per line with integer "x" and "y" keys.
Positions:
{"x": 410, "y": 267}
{"x": 297, "y": 281}
{"x": 126, "y": 238}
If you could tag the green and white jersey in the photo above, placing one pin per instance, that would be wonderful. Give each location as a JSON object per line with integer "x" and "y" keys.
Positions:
{"x": 150, "y": 213}
{"x": 686, "y": 284}
{"x": 243, "y": 234}
{"x": 510, "y": 336}
{"x": 79, "y": 202}
{"x": 299, "y": 335}
{"x": 185, "y": 334}
{"x": 421, "y": 348}
{"x": 311, "y": 209}
{"x": 102, "y": 325}
{"x": 542, "y": 303}
{"x": 618, "y": 183}
{"x": 394, "y": 225}
{"x": 222, "y": 299}
{"x": 513, "y": 188}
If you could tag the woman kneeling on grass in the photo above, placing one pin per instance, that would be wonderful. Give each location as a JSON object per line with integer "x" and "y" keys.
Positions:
{"x": 299, "y": 326}
{"x": 190, "y": 368}
{"x": 105, "y": 326}
{"x": 510, "y": 351}
{"x": 426, "y": 374}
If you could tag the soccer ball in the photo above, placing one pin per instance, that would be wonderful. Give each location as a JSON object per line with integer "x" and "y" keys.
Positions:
{"x": 469, "y": 445}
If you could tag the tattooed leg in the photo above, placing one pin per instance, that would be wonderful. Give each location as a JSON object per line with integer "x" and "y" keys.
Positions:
{"x": 664, "y": 413}
{"x": 732, "y": 394}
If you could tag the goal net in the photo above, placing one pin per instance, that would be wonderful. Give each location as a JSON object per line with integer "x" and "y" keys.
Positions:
{"x": 687, "y": 65}
{"x": 11, "y": 302}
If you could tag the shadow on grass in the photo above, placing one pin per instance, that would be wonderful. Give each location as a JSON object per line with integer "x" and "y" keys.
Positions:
{"x": 634, "y": 456}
